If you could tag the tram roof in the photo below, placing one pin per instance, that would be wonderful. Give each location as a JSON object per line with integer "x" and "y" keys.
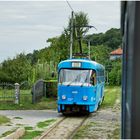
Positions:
{"x": 90, "y": 63}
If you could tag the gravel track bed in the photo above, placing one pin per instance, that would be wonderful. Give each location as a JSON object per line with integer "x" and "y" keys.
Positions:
{"x": 65, "y": 129}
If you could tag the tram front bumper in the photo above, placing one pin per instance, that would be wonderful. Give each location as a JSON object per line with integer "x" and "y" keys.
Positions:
{"x": 76, "y": 107}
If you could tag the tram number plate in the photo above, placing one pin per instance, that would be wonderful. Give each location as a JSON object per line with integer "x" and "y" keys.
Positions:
{"x": 76, "y": 64}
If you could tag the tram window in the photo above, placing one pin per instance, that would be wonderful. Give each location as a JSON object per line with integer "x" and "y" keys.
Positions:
{"x": 93, "y": 77}
{"x": 61, "y": 76}
{"x": 74, "y": 77}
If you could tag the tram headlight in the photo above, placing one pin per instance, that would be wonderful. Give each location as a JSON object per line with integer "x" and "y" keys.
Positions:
{"x": 85, "y": 98}
{"x": 63, "y": 97}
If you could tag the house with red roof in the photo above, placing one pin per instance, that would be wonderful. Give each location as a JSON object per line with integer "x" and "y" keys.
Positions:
{"x": 116, "y": 54}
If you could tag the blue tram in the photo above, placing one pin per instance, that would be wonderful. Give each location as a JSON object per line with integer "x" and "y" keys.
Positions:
{"x": 80, "y": 85}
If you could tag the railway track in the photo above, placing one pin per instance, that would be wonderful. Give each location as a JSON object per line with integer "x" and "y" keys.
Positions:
{"x": 65, "y": 128}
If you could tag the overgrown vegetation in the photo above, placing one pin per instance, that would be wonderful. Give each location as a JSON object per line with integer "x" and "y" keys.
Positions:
{"x": 116, "y": 133}
{"x": 102, "y": 126}
{"x": 4, "y": 119}
{"x": 19, "y": 118}
{"x": 45, "y": 103}
{"x": 28, "y": 128}
{"x": 82, "y": 133}
{"x": 111, "y": 95}
{"x": 111, "y": 38}
{"x": 31, "y": 134}
{"x": 42, "y": 63}
{"x": 7, "y": 133}
{"x": 45, "y": 123}
{"x": 115, "y": 73}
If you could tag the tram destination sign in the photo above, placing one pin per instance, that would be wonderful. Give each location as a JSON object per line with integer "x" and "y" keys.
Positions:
{"x": 76, "y": 64}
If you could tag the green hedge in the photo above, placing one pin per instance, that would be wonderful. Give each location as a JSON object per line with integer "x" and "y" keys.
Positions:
{"x": 51, "y": 88}
{"x": 115, "y": 74}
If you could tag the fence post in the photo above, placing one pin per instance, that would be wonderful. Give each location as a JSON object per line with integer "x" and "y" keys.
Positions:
{"x": 44, "y": 89}
{"x": 17, "y": 93}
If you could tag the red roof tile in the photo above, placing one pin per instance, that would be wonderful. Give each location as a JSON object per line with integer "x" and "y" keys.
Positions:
{"x": 119, "y": 51}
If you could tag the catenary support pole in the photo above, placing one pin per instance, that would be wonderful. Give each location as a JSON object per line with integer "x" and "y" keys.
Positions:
{"x": 71, "y": 34}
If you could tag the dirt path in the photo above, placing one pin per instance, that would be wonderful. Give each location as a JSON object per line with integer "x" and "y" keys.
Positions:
{"x": 103, "y": 124}
{"x": 65, "y": 129}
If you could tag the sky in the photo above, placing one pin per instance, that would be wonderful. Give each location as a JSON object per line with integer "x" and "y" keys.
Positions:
{"x": 26, "y": 25}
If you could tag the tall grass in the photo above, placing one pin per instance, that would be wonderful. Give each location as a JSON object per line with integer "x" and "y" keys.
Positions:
{"x": 4, "y": 119}
{"x": 111, "y": 95}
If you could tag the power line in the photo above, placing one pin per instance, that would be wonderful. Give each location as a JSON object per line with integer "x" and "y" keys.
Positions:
{"x": 88, "y": 26}
{"x": 75, "y": 28}
{"x": 69, "y": 5}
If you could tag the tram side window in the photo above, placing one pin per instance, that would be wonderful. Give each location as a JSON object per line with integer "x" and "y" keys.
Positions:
{"x": 93, "y": 77}
{"x": 101, "y": 76}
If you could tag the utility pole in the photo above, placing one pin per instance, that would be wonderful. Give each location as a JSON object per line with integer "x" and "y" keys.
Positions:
{"x": 89, "y": 49}
{"x": 71, "y": 34}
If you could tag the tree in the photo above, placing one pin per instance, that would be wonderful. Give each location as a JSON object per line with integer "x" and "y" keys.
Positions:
{"x": 41, "y": 63}
{"x": 111, "y": 38}
{"x": 18, "y": 69}
{"x": 4, "y": 77}
{"x": 116, "y": 73}
{"x": 80, "y": 23}
{"x": 99, "y": 53}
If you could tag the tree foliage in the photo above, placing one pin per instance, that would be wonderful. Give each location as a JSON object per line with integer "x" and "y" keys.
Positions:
{"x": 80, "y": 23}
{"x": 17, "y": 69}
{"x": 116, "y": 73}
{"x": 111, "y": 38}
{"x": 41, "y": 63}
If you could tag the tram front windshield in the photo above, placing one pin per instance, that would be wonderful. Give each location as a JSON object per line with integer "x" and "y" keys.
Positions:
{"x": 75, "y": 77}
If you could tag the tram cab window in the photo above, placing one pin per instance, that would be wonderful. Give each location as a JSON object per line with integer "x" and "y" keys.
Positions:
{"x": 93, "y": 77}
{"x": 71, "y": 77}
{"x": 61, "y": 75}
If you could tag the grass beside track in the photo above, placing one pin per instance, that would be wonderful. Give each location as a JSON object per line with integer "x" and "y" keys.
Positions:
{"x": 45, "y": 123}
{"x": 45, "y": 103}
{"x": 26, "y": 102}
{"x": 31, "y": 133}
{"x": 88, "y": 131}
{"x": 112, "y": 94}
{"x": 4, "y": 119}
{"x": 7, "y": 133}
